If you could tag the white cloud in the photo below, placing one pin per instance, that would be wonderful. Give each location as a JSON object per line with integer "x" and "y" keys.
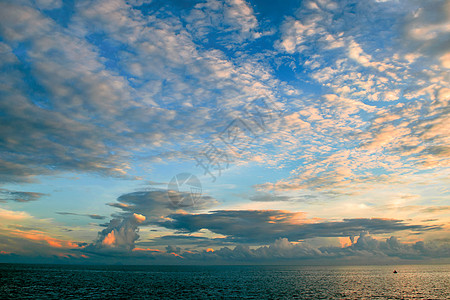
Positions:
{"x": 163, "y": 89}
{"x": 49, "y": 4}
{"x": 234, "y": 21}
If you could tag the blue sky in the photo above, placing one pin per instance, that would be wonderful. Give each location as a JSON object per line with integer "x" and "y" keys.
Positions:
{"x": 318, "y": 130}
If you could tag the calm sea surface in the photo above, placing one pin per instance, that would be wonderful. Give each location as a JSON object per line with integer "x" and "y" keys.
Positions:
{"x": 224, "y": 282}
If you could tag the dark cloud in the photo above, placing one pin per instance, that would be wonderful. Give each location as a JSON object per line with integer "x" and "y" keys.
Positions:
{"x": 139, "y": 209}
{"x": 426, "y": 30}
{"x": 96, "y": 217}
{"x": 366, "y": 249}
{"x": 24, "y": 228}
{"x": 184, "y": 240}
{"x": 7, "y": 195}
{"x": 155, "y": 203}
{"x": 266, "y": 226}
{"x": 429, "y": 220}
{"x": 434, "y": 209}
{"x": 92, "y": 216}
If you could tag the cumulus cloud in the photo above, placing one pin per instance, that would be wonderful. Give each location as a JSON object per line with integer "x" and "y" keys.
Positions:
{"x": 67, "y": 80}
{"x": 150, "y": 92}
{"x": 365, "y": 248}
{"x": 76, "y": 112}
{"x": 381, "y": 117}
{"x": 120, "y": 234}
{"x": 233, "y": 21}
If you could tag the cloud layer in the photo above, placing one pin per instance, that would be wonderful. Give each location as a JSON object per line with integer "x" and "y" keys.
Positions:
{"x": 266, "y": 226}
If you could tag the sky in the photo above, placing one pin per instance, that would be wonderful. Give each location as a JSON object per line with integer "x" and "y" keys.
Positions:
{"x": 224, "y": 132}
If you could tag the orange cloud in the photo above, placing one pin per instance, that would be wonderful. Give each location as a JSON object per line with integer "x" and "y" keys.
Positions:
{"x": 109, "y": 239}
{"x": 177, "y": 255}
{"x": 39, "y": 236}
{"x": 146, "y": 249}
{"x": 345, "y": 242}
{"x": 13, "y": 215}
{"x": 139, "y": 218}
{"x": 54, "y": 244}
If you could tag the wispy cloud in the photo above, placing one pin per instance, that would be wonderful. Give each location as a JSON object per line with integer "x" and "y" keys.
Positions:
{"x": 92, "y": 216}
{"x": 8, "y": 195}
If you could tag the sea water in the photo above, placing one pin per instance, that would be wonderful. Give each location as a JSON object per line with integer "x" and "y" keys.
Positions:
{"x": 224, "y": 282}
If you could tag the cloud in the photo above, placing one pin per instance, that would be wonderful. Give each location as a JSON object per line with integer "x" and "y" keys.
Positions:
{"x": 120, "y": 235}
{"x": 156, "y": 202}
{"x": 268, "y": 225}
{"x": 361, "y": 74}
{"x": 49, "y": 4}
{"x": 362, "y": 248}
{"x": 140, "y": 209}
{"x": 366, "y": 248}
{"x": 114, "y": 84}
{"x": 186, "y": 240}
{"x": 92, "y": 216}
{"x": 109, "y": 85}
{"x": 14, "y": 215}
{"x": 267, "y": 197}
{"x": 445, "y": 60}
{"x": 429, "y": 28}
{"x": 436, "y": 209}
{"x": 32, "y": 241}
{"x": 347, "y": 138}
{"x": 8, "y": 195}
{"x": 231, "y": 21}
{"x": 27, "y": 236}
{"x": 67, "y": 80}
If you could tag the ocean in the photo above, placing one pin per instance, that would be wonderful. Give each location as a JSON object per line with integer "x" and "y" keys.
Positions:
{"x": 224, "y": 282}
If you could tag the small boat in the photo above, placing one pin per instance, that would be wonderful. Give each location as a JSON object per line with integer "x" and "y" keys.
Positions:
{"x": 395, "y": 272}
